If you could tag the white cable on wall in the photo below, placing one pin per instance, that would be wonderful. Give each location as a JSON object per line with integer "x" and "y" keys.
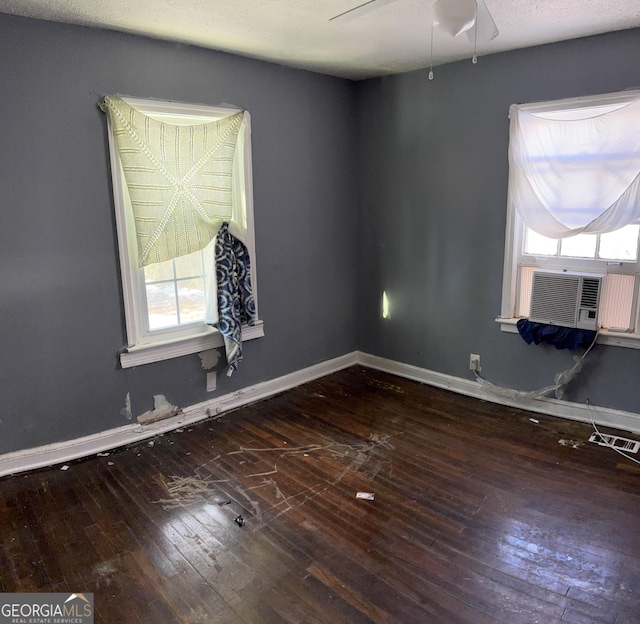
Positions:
{"x": 561, "y": 381}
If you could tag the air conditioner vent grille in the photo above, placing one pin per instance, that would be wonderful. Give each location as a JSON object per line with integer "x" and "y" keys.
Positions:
{"x": 554, "y": 299}
{"x": 590, "y": 292}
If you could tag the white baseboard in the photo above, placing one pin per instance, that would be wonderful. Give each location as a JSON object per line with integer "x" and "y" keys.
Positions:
{"x": 62, "y": 452}
{"x": 618, "y": 419}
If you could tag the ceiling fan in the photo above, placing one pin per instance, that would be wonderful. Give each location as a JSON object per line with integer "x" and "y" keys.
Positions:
{"x": 453, "y": 16}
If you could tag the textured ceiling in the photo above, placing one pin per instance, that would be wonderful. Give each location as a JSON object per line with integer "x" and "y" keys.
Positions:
{"x": 393, "y": 38}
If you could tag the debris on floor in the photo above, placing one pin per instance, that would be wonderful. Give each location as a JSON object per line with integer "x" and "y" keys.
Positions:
{"x": 364, "y": 457}
{"x": 572, "y": 443}
{"x": 365, "y": 495}
{"x": 184, "y": 491}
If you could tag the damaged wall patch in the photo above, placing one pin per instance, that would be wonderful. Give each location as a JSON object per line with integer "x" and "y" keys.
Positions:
{"x": 126, "y": 410}
{"x": 209, "y": 358}
{"x": 162, "y": 409}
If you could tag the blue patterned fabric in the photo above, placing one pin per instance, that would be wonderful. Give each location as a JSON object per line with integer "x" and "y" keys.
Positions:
{"x": 236, "y": 305}
{"x": 559, "y": 337}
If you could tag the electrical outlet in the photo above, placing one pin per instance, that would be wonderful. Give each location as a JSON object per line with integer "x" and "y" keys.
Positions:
{"x": 474, "y": 362}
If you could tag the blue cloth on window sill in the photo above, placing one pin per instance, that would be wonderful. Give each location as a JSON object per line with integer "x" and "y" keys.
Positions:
{"x": 559, "y": 337}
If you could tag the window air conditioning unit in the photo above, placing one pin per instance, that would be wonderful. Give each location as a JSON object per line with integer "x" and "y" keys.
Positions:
{"x": 566, "y": 299}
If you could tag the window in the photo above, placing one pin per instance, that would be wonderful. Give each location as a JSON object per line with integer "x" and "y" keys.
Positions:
{"x": 574, "y": 204}
{"x": 167, "y": 301}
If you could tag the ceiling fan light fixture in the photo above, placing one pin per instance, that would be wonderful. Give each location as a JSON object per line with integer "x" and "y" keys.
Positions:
{"x": 455, "y": 16}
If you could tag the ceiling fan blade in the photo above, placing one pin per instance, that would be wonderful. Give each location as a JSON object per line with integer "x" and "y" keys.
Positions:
{"x": 486, "y": 27}
{"x": 361, "y": 9}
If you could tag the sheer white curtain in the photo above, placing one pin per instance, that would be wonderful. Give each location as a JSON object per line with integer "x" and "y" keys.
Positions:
{"x": 575, "y": 165}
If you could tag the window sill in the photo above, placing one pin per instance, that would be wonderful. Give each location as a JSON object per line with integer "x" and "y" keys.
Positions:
{"x": 145, "y": 354}
{"x": 605, "y": 336}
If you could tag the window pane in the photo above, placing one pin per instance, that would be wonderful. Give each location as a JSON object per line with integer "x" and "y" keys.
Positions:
{"x": 191, "y": 300}
{"x": 621, "y": 244}
{"x": 616, "y": 302}
{"x": 158, "y": 271}
{"x": 580, "y": 246}
{"x": 523, "y": 303}
{"x": 162, "y": 305}
{"x": 189, "y": 265}
{"x": 538, "y": 245}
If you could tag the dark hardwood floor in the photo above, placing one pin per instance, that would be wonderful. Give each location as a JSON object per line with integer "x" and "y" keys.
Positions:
{"x": 480, "y": 515}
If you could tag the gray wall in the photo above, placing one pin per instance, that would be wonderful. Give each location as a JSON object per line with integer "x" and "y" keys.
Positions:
{"x": 424, "y": 162}
{"x": 432, "y": 189}
{"x": 62, "y": 314}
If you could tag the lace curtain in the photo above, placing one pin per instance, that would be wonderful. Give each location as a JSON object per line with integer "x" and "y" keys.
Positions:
{"x": 576, "y": 169}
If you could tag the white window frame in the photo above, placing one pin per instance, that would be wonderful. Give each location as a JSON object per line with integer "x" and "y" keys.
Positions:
{"x": 145, "y": 346}
{"x": 514, "y": 245}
